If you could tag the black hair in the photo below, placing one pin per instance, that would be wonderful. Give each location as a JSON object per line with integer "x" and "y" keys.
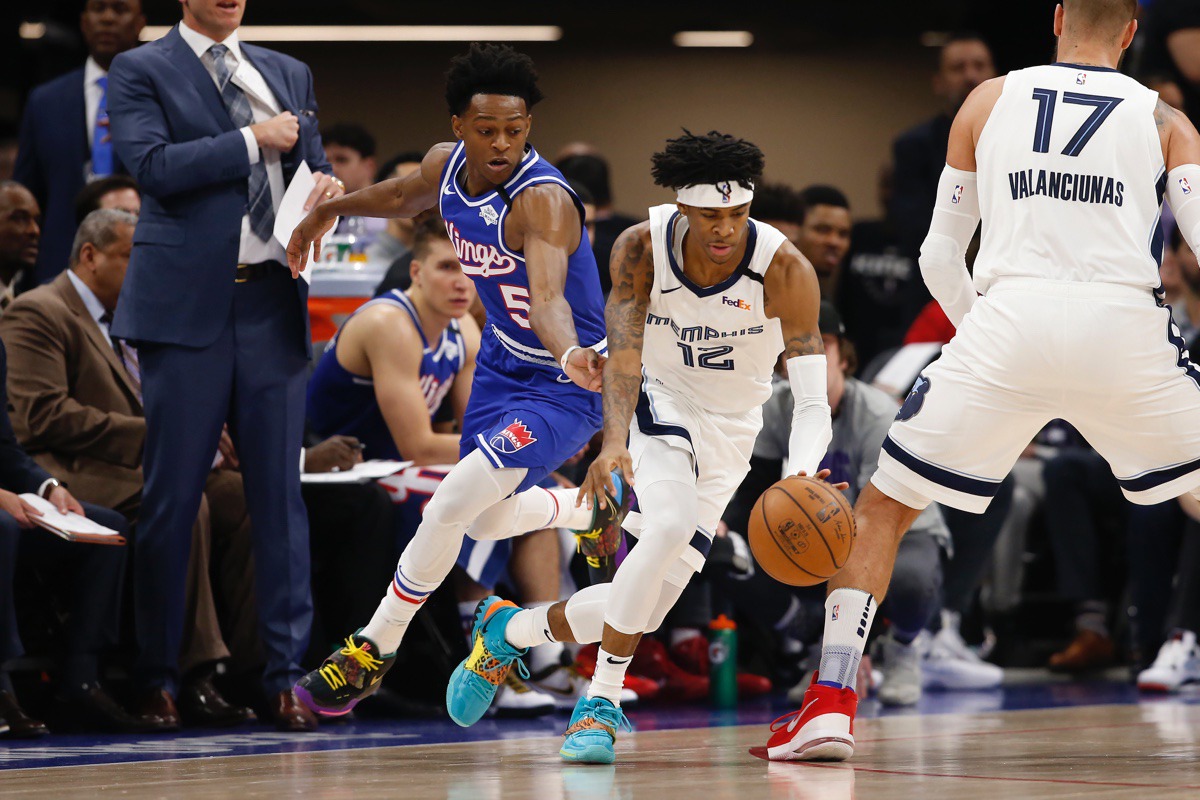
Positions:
{"x": 88, "y": 199}
{"x": 582, "y": 192}
{"x": 715, "y": 156}
{"x": 407, "y": 157}
{"x": 592, "y": 172}
{"x": 820, "y": 195}
{"x": 778, "y": 202}
{"x": 490, "y": 69}
{"x": 352, "y": 135}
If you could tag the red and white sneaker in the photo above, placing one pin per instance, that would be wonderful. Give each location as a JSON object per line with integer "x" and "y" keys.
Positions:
{"x": 822, "y": 730}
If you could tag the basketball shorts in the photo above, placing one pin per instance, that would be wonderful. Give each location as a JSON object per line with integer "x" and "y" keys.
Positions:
{"x": 526, "y": 416}
{"x": 1105, "y": 358}
{"x": 719, "y": 445}
{"x": 410, "y": 489}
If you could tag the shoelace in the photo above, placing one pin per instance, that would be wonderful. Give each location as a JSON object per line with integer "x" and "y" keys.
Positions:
{"x": 332, "y": 673}
{"x": 611, "y": 718}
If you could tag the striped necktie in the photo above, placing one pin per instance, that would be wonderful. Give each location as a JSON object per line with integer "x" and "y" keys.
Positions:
{"x": 259, "y": 206}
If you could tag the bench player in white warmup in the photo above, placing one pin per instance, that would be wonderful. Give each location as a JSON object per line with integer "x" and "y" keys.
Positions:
{"x": 1067, "y": 164}
{"x": 704, "y": 300}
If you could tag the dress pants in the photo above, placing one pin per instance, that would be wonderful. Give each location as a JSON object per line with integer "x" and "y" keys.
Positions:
{"x": 253, "y": 376}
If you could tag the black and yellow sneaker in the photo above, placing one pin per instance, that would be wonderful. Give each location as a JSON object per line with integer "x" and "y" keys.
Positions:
{"x": 600, "y": 542}
{"x": 347, "y": 676}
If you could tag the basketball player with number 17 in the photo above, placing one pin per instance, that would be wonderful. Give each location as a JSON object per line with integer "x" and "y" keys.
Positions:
{"x": 704, "y": 299}
{"x": 1067, "y": 164}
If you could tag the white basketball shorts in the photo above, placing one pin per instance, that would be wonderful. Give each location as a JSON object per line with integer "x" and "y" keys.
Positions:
{"x": 719, "y": 444}
{"x": 1105, "y": 358}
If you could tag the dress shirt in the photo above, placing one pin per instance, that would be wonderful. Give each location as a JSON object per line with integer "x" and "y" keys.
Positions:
{"x": 92, "y": 72}
{"x": 263, "y": 105}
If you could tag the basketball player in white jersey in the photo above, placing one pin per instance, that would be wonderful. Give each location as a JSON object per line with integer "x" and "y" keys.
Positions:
{"x": 1067, "y": 164}
{"x": 704, "y": 300}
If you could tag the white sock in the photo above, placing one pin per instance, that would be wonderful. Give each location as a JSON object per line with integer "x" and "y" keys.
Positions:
{"x": 609, "y": 677}
{"x": 848, "y": 617}
{"x": 529, "y": 627}
{"x": 550, "y": 654}
{"x": 566, "y": 514}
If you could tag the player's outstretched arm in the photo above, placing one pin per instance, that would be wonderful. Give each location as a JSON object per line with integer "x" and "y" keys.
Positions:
{"x": 1181, "y": 152}
{"x": 395, "y": 197}
{"x": 632, "y": 269}
{"x": 552, "y": 228}
{"x": 793, "y": 296}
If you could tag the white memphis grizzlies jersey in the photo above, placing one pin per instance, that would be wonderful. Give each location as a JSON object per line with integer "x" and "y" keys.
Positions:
{"x": 713, "y": 346}
{"x": 1071, "y": 179}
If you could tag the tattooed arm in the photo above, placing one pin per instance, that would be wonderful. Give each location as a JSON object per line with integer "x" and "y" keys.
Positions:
{"x": 792, "y": 295}
{"x": 625, "y": 317}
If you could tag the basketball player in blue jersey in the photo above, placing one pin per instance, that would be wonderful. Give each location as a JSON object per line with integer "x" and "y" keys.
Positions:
{"x": 517, "y": 229}
{"x": 704, "y": 300}
{"x": 1067, "y": 165}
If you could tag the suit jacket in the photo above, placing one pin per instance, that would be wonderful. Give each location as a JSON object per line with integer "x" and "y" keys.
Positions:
{"x": 171, "y": 129}
{"x": 75, "y": 407}
{"x": 52, "y": 159}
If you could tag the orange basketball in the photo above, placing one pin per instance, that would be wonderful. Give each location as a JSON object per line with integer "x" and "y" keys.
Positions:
{"x": 801, "y": 531}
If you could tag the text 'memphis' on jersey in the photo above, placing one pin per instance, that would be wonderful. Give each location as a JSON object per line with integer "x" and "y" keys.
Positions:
{"x": 713, "y": 346}
{"x": 1071, "y": 179}
{"x": 476, "y": 229}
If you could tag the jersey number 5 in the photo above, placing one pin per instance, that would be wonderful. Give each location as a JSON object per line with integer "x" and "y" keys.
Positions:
{"x": 516, "y": 300}
{"x": 1102, "y": 107}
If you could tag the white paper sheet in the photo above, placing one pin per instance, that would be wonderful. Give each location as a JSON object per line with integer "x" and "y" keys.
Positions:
{"x": 291, "y": 210}
{"x": 363, "y": 472}
{"x": 68, "y": 522}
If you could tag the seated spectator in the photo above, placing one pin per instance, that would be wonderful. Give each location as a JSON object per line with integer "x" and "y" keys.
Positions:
{"x": 779, "y": 205}
{"x": 350, "y": 150}
{"x": 76, "y": 399}
{"x": 115, "y": 191}
{"x": 393, "y": 245}
{"x": 93, "y": 574}
{"x": 881, "y": 290}
{"x": 582, "y": 164}
{"x": 20, "y": 235}
{"x": 825, "y": 234}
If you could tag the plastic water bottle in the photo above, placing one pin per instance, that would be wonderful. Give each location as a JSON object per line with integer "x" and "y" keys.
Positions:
{"x": 722, "y": 656}
{"x": 356, "y": 228}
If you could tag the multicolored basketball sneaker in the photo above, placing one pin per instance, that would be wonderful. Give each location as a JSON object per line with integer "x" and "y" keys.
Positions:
{"x": 475, "y": 681}
{"x": 600, "y": 542}
{"x": 593, "y": 730}
{"x": 346, "y": 677}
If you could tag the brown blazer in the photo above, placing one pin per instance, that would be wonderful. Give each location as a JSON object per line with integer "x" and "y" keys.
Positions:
{"x": 74, "y": 407}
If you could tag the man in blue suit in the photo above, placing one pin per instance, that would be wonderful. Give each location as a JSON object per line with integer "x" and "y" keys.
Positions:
{"x": 213, "y": 129}
{"x": 64, "y": 141}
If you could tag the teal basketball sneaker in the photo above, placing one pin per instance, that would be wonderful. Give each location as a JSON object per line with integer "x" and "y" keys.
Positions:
{"x": 592, "y": 732}
{"x": 475, "y": 681}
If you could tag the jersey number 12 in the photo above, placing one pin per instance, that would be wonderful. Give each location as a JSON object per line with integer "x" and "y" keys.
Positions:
{"x": 708, "y": 356}
{"x": 1047, "y": 99}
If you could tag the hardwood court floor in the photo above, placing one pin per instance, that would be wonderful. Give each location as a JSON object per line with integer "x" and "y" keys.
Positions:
{"x": 1147, "y": 750}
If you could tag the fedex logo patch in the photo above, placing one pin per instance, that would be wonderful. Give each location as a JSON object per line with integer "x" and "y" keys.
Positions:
{"x": 513, "y": 438}
{"x": 735, "y": 302}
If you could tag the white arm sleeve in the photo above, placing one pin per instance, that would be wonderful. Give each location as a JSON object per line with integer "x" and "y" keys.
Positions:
{"x": 1183, "y": 193}
{"x": 812, "y": 422}
{"x": 944, "y": 251}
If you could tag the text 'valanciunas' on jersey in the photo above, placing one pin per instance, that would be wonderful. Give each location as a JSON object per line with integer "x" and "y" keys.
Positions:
{"x": 1071, "y": 179}
{"x": 712, "y": 346}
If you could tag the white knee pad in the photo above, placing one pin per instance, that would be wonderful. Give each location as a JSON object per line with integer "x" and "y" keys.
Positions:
{"x": 470, "y": 489}
{"x": 673, "y": 585}
{"x": 586, "y": 609}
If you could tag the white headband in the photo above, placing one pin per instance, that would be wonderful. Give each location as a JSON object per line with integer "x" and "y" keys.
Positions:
{"x": 725, "y": 194}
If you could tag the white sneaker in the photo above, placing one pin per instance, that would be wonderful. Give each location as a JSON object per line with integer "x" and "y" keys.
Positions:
{"x": 1177, "y": 664}
{"x": 950, "y": 664}
{"x": 565, "y": 685}
{"x": 516, "y": 698}
{"x": 901, "y": 672}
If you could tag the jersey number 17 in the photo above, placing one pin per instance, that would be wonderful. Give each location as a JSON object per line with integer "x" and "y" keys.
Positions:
{"x": 1047, "y": 99}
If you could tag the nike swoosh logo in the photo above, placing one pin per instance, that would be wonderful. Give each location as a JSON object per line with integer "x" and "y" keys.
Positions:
{"x": 668, "y": 291}
{"x": 548, "y": 634}
{"x": 612, "y": 660}
{"x": 563, "y": 379}
{"x": 376, "y": 680}
{"x": 792, "y": 725}
{"x": 448, "y": 190}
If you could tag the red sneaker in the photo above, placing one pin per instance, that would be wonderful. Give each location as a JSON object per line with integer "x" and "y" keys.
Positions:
{"x": 822, "y": 730}
{"x": 692, "y": 655}
{"x": 751, "y": 685}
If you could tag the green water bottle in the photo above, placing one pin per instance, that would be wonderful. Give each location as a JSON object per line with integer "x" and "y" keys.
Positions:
{"x": 722, "y": 656}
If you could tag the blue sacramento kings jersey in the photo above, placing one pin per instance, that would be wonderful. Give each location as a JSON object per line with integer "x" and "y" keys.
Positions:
{"x": 476, "y": 228}
{"x": 524, "y": 412}
{"x": 340, "y": 402}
